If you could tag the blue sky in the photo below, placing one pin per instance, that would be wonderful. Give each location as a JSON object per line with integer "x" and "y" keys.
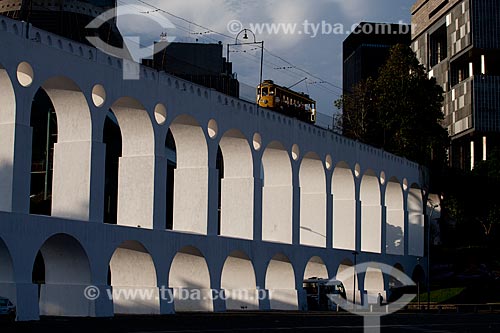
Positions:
{"x": 320, "y": 55}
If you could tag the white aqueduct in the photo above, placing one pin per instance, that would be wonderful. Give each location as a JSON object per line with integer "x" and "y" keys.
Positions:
{"x": 295, "y": 200}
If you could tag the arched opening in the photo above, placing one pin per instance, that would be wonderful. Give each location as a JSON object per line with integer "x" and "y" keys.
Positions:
{"x": 112, "y": 138}
{"x": 374, "y": 284}
{"x": 312, "y": 201}
{"x": 280, "y": 281}
{"x": 346, "y": 273}
{"x": 7, "y": 125}
{"x": 190, "y": 194}
{"x": 277, "y": 194}
{"x": 7, "y": 282}
{"x": 171, "y": 155}
{"x": 61, "y": 148}
{"x": 395, "y": 223}
{"x": 316, "y": 268}
{"x": 236, "y": 186}
{"x": 239, "y": 283}
{"x": 371, "y": 213}
{"x": 62, "y": 271}
{"x": 43, "y": 121}
{"x": 190, "y": 279}
{"x": 416, "y": 225}
{"x": 136, "y": 166}
{"x": 344, "y": 208}
{"x": 132, "y": 269}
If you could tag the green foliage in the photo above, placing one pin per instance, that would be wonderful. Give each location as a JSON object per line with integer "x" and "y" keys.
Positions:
{"x": 441, "y": 296}
{"x": 400, "y": 111}
{"x": 469, "y": 203}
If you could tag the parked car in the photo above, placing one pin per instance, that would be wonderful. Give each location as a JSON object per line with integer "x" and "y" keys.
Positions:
{"x": 7, "y": 309}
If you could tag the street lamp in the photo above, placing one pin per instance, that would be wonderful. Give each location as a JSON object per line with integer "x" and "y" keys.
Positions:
{"x": 245, "y": 37}
{"x": 355, "y": 253}
{"x": 418, "y": 285}
{"x": 429, "y": 220}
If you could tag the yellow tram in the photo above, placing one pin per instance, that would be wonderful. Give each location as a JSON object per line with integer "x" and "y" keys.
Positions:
{"x": 286, "y": 101}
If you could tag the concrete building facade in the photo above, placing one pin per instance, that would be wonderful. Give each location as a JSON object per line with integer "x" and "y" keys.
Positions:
{"x": 367, "y": 48}
{"x": 458, "y": 41}
{"x": 295, "y": 200}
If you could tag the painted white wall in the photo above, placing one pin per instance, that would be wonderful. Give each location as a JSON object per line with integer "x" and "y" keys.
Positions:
{"x": 395, "y": 218}
{"x": 189, "y": 275}
{"x": 312, "y": 202}
{"x": 416, "y": 225}
{"x": 239, "y": 283}
{"x": 344, "y": 208}
{"x": 280, "y": 281}
{"x": 133, "y": 271}
{"x": 371, "y": 214}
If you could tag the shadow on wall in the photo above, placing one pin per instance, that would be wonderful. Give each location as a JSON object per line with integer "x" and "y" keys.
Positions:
{"x": 395, "y": 239}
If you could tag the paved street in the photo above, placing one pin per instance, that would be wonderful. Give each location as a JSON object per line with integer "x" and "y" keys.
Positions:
{"x": 265, "y": 322}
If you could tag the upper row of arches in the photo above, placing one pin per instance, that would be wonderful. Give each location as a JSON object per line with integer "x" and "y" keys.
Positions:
{"x": 138, "y": 175}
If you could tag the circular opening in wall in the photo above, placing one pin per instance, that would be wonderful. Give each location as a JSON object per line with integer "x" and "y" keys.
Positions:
{"x": 98, "y": 95}
{"x": 295, "y": 152}
{"x": 257, "y": 141}
{"x": 382, "y": 178}
{"x": 160, "y": 113}
{"x": 328, "y": 162}
{"x": 357, "y": 170}
{"x": 212, "y": 128}
{"x": 25, "y": 74}
{"x": 405, "y": 184}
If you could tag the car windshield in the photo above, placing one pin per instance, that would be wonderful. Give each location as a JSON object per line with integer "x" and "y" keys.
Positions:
{"x": 3, "y": 302}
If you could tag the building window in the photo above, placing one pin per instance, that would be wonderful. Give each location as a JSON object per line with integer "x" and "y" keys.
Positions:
{"x": 438, "y": 46}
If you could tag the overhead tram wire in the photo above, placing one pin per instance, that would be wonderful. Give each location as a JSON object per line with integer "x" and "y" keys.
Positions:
{"x": 208, "y": 30}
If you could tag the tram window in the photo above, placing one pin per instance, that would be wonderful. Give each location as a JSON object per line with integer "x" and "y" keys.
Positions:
{"x": 265, "y": 91}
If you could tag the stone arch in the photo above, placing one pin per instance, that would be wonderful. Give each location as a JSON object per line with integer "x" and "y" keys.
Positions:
{"x": 374, "y": 284}
{"x": 7, "y": 278}
{"x": 349, "y": 278}
{"x": 132, "y": 268}
{"x": 43, "y": 122}
{"x": 344, "y": 207}
{"x": 72, "y": 148}
{"x": 190, "y": 197}
{"x": 236, "y": 186}
{"x": 7, "y": 127}
{"x": 371, "y": 213}
{"x": 312, "y": 201}
{"x": 395, "y": 221}
{"x": 280, "y": 281}
{"x": 239, "y": 283}
{"x": 136, "y": 167}
{"x": 277, "y": 194}
{"x": 416, "y": 222}
{"x": 66, "y": 273}
{"x": 393, "y": 281}
{"x": 316, "y": 268}
{"x": 189, "y": 275}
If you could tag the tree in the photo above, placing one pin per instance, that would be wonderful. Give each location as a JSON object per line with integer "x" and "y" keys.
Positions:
{"x": 358, "y": 108}
{"x": 400, "y": 111}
